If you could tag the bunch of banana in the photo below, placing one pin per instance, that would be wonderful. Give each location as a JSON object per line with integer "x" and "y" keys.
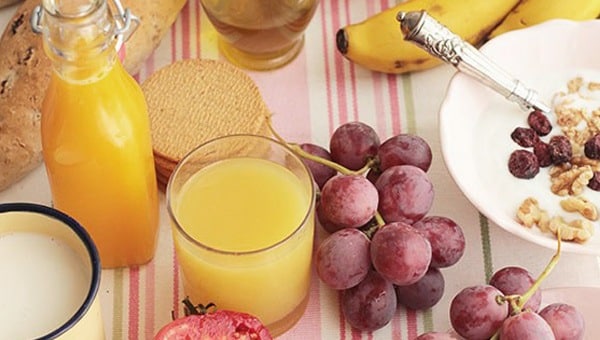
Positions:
{"x": 532, "y": 12}
{"x": 378, "y": 44}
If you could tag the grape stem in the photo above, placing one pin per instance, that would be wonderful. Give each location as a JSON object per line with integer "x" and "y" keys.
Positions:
{"x": 522, "y": 300}
{"x": 518, "y": 301}
{"x": 295, "y": 148}
{"x": 335, "y": 166}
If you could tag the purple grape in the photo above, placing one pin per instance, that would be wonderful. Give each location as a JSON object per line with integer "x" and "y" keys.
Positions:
{"x": 343, "y": 260}
{"x": 513, "y": 280}
{"x": 446, "y": 238}
{"x": 436, "y": 336}
{"x": 400, "y": 253}
{"x": 329, "y": 226}
{"x": 321, "y": 173}
{"x": 348, "y": 201}
{"x": 527, "y": 325}
{"x": 353, "y": 144}
{"x": 405, "y": 149}
{"x": 371, "y": 304}
{"x": 424, "y": 293}
{"x": 405, "y": 194}
{"x": 475, "y": 314}
{"x": 566, "y": 321}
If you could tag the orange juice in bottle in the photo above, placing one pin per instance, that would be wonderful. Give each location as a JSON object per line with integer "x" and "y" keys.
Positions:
{"x": 96, "y": 133}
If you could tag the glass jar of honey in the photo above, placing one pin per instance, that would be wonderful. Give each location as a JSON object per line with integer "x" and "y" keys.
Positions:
{"x": 260, "y": 34}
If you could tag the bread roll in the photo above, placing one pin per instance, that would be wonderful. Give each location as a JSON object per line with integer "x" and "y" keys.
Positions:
{"x": 25, "y": 73}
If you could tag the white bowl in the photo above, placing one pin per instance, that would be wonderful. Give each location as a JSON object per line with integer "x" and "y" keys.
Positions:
{"x": 476, "y": 123}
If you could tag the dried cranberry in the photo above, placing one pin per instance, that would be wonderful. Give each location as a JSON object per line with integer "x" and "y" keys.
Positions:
{"x": 523, "y": 164}
{"x": 560, "y": 149}
{"x": 594, "y": 183}
{"x": 525, "y": 137}
{"x": 592, "y": 147}
{"x": 542, "y": 152}
{"x": 539, "y": 122}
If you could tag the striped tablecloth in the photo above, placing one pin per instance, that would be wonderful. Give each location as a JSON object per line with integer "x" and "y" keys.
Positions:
{"x": 310, "y": 97}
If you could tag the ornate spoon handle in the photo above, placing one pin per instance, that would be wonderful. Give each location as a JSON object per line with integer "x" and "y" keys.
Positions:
{"x": 430, "y": 35}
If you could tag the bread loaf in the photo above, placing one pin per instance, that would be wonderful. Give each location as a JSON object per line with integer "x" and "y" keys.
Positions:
{"x": 25, "y": 73}
{"x": 6, "y": 3}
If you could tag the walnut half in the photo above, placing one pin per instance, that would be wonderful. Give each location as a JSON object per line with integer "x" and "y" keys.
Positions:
{"x": 580, "y": 205}
{"x": 530, "y": 213}
{"x": 578, "y": 230}
{"x": 570, "y": 179}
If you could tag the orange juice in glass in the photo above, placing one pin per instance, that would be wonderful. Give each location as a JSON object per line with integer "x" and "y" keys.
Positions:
{"x": 242, "y": 211}
{"x": 50, "y": 276}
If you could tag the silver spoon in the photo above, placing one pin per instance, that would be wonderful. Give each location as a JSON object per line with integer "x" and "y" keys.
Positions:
{"x": 421, "y": 29}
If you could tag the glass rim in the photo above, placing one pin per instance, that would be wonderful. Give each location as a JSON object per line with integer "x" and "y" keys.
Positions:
{"x": 199, "y": 244}
{"x": 88, "y": 244}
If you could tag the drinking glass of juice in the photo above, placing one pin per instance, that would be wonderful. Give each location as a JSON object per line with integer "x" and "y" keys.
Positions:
{"x": 50, "y": 276}
{"x": 242, "y": 212}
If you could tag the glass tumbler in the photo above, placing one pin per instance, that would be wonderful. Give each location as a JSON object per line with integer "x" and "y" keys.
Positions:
{"x": 260, "y": 34}
{"x": 242, "y": 216}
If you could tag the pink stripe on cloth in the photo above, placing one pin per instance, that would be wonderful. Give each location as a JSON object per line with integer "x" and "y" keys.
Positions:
{"x": 184, "y": 16}
{"x": 379, "y": 107}
{"x": 198, "y": 14}
{"x": 352, "y": 71}
{"x": 411, "y": 323}
{"x": 149, "y": 300}
{"x": 397, "y": 327}
{"x": 327, "y": 66}
{"x": 174, "y": 42}
{"x": 175, "y": 308}
{"x": 339, "y": 63}
{"x": 342, "y": 320}
{"x": 134, "y": 303}
{"x": 392, "y": 82}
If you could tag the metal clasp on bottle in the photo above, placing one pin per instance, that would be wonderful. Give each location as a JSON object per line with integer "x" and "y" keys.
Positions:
{"x": 126, "y": 22}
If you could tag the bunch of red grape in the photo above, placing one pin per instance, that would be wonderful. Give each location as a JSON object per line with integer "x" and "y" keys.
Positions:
{"x": 383, "y": 250}
{"x": 509, "y": 306}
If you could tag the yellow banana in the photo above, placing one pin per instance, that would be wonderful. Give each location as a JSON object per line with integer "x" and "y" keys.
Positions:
{"x": 531, "y": 12}
{"x": 378, "y": 44}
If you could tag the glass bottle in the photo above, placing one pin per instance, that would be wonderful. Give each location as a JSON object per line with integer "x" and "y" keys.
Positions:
{"x": 96, "y": 131}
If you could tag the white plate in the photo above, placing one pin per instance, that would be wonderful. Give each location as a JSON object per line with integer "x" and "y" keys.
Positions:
{"x": 476, "y": 122}
{"x": 585, "y": 299}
